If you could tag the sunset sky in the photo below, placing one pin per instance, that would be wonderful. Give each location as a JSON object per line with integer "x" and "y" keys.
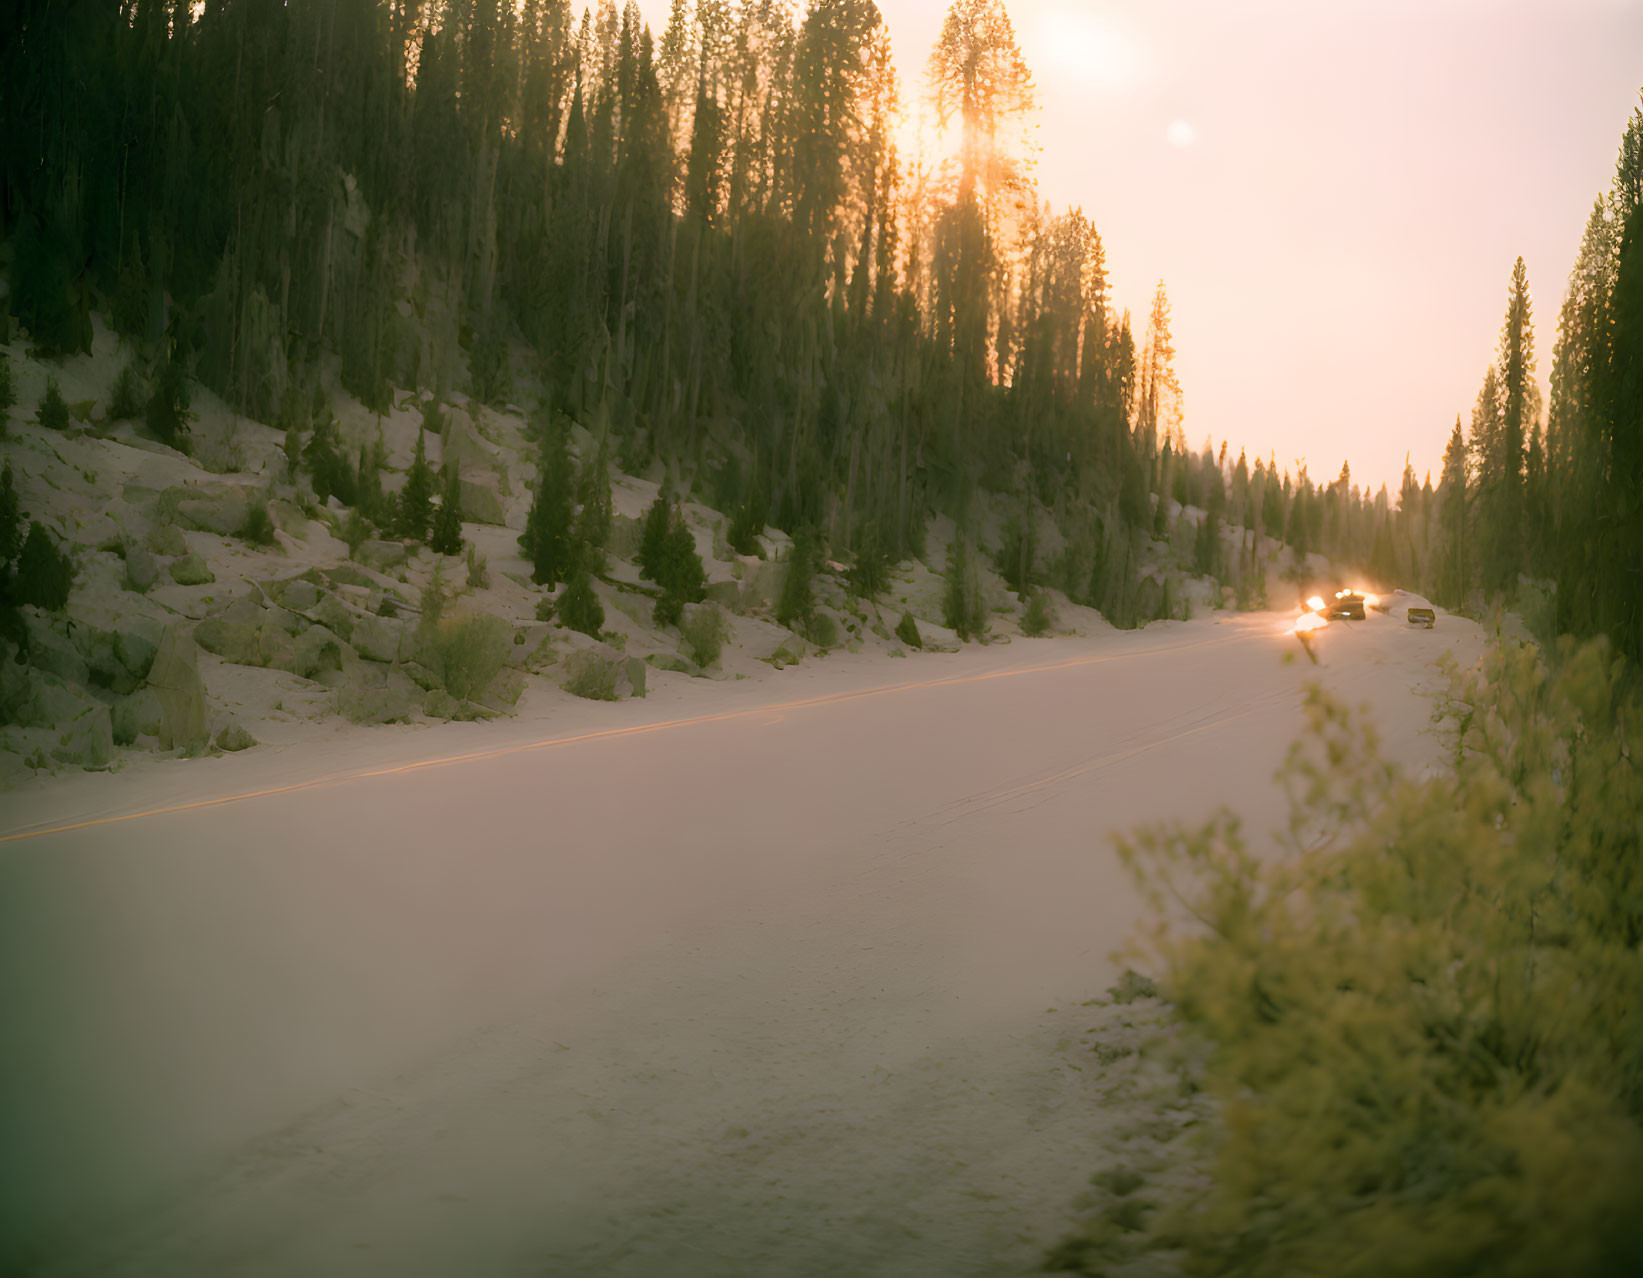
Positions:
{"x": 1333, "y": 193}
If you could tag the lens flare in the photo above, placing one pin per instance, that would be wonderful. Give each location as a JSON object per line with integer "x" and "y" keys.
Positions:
{"x": 1315, "y": 603}
{"x": 1309, "y": 622}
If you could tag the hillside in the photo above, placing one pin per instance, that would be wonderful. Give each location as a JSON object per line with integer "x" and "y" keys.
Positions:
{"x": 181, "y": 635}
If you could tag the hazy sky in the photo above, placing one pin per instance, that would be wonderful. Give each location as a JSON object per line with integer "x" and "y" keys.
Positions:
{"x": 1333, "y": 191}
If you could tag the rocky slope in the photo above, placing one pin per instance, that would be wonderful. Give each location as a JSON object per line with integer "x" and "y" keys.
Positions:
{"x": 182, "y": 636}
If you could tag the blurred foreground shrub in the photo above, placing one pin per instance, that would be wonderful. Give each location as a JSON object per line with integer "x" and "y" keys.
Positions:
{"x": 1425, "y": 1018}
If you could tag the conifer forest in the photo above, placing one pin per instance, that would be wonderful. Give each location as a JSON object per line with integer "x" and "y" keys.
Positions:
{"x": 706, "y": 246}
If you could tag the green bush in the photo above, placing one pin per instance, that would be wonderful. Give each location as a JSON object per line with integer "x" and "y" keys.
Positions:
{"x": 126, "y": 400}
{"x": 465, "y": 654}
{"x": 258, "y": 529}
{"x": 1422, "y": 1017}
{"x": 479, "y": 569}
{"x": 1036, "y": 620}
{"x": 593, "y": 681}
{"x": 907, "y": 631}
{"x": 822, "y": 630}
{"x": 704, "y": 633}
{"x": 51, "y": 412}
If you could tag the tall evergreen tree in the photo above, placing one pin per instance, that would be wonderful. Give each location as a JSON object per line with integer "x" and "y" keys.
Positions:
{"x": 548, "y": 540}
{"x": 416, "y": 498}
{"x": 446, "y": 537}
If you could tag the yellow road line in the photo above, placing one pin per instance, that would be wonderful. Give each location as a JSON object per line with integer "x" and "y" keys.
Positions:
{"x": 602, "y": 735}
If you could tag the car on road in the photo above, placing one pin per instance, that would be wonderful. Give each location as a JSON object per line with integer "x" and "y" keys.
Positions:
{"x": 1346, "y": 605}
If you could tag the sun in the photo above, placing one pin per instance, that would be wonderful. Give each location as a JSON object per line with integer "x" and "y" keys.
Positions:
{"x": 1098, "y": 52}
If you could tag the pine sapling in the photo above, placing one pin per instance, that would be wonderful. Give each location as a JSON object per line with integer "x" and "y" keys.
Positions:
{"x": 52, "y": 412}
{"x": 446, "y": 538}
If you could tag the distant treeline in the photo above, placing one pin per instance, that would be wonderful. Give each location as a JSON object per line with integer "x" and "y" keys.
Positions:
{"x": 713, "y": 249}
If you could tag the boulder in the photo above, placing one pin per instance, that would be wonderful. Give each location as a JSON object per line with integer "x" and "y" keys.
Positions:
{"x": 317, "y": 651}
{"x": 290, "y": 520}
{"x": 87, "y": 739}
{"x": 420, "y": 675}
{"x": 395, "y": 700}
{"x": 191, "y": 570}
{"x": 299, "y": 594}
{"x": 275, "y": 647}
{"x": 102, "y": 658}
{"x": 380, "y": 555}
{"x": 135, "y": 716}
{"x": 674, "y": 662}
{"x": 762, "y": 586}
{"x": 222, "y": 513}
{"x": 481, "y": 503}
{"x": 727, "y": 594}
{"x": 440, "y": 704}
{"x": 234, "y": 738}
{"x": 625, "y": 536}
{"x": 377, "y": 638}
{"x": 51, "y": 651}
{"x": 601, "y": 674}
{"x": 503, "y": 692}
{"x": 142, "y": 569}
{"x": 333, "y": 614}
{"x": 462, "y": 443}
{"x": 938, "y": 638}
{"x": 288, "y": 621}
{"x": 166, "y": 540}
{"x": 135, "y": 644}
{"x": 233, "y": 641}
{"x": 247, "y": 610}
{"x": 175, "y": 679}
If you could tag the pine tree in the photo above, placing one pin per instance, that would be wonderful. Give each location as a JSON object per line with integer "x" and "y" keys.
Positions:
{"x": 52, "y": 412}
{"x": 593, "y": 523}
{"x": 548, "y": 539}
{"x": 44, "y": 573}
{"x": 8, "y": 396}
{"x": 796, "y": 605}
{"x": 167, "y": 414}
{"x": 11, "y": 514}
{"x": 579, "y": 606}
{"x": 681, "y": 573}
{"x": 417, "y": 496}
{"x": 653, "y": 538}
{"x": 961, "y": 603}
{"x": 1622, "y": 398}
{"x": 446, "y": 537}
{"x": 871, "y": 570}
{"x": 1453, "y": 498}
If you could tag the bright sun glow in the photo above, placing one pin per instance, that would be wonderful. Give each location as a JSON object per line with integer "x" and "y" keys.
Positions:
{"x": 1180, "y": 133}
{"x": 1308, "y": 622}
{"x": 1315, "y": 603}
{"x": 1102, "y": 55}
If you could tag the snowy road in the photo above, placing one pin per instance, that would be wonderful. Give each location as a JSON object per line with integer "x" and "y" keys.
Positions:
{"x": 762, "y": 991}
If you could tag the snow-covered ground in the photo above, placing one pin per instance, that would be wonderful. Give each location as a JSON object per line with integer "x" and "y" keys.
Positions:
{"x": 784, "y": 975}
